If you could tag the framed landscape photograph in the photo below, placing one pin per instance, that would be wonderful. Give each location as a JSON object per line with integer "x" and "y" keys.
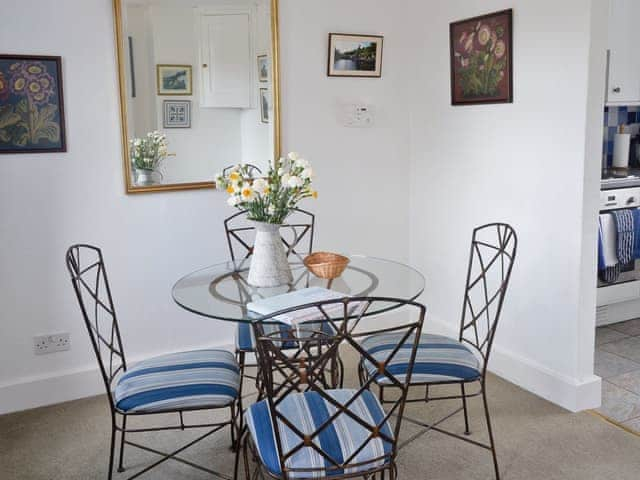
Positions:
{"x": 353, "y": 55}
{"x": 31, "y": 104}
{"x": 176, "y": 114}
{"x": 482, "y": 59}
{"x": 263, "y": 68}
{"x": 265, "y": 105}
{"x": 174, "y": 80}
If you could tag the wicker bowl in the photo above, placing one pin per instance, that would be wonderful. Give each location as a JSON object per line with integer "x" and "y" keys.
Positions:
{"x": 326, "y": 265}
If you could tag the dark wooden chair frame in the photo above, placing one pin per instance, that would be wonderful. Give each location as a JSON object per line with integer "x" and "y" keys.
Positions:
{"x": 306, "y": 370}
{"x": 504, "y": 253}
{"x": 88, "y": 279}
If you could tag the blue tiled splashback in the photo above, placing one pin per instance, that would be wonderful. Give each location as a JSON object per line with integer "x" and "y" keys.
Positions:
{"x": 613, "y": 118}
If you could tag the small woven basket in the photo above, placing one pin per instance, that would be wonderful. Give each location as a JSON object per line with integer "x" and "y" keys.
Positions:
{"x": 326, "y": 265}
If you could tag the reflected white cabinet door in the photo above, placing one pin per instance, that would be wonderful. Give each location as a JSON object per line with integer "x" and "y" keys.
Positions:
{"x": 226, "y": 60}
{"x": 624, "y": 62}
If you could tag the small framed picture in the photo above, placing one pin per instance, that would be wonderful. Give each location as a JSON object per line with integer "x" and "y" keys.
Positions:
{"x": 355, "y": 55}
{"x": 174, "y": 80}
{"x": 31, "y": 104}
{"x": 482, "y": 59}
{"x": 177, "y": 114}
{"x": 265, "y": 105}
{"x": 263, "y": 68}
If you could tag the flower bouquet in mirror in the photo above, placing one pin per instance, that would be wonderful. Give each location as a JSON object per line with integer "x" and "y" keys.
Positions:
{"x": 268, "y": 201}
{"x": 147, "y": 154}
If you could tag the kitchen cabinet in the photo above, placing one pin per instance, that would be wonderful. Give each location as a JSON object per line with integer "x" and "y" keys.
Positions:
{"x": 623, "y": 85}
{"x": 226, "y": 58}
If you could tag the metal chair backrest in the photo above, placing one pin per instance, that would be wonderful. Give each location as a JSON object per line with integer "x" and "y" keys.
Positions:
{"x": 493, "y": 251}
{"x": 90, "y": 283}
{"x": 252, "y": 170}
{"x": 297, "y": 234}
{"x": 309, "y": 368}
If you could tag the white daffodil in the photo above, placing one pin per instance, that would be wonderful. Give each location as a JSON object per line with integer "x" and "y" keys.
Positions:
{"x": 233, "y": 200}
{"x": 246, "y": 193}
{"x": 293, "y": 156}
{"x": 303, "y": 163}
{"x": 294, "y": 182}
{"x": 307, "y": 173}
{"x": 284, "y": 179}
{"x": 271, "y": 209}
{"x": 261, "y": 186}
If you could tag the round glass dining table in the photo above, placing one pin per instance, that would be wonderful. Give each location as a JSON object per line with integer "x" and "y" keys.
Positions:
{"x": 222, "y": 292}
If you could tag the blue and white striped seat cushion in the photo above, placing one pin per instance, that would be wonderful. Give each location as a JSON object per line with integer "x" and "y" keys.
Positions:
{"x": 246, "y": 340}
{"x": 340, "y": 439}
{"x": 194, "y": 379}
{"x": 438, "y": 359}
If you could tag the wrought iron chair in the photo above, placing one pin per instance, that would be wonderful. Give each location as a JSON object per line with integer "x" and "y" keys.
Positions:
{"x": 251, "y": 170}
{"x": 306, "y": 427}
{"x": 173, "y": 383}
{"x": 446, "y": 361}
{"x": 297, "y": 237}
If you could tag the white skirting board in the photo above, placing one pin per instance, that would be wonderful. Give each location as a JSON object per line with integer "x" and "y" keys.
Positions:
{"x": 70, "y": 385}
{"x": 617, "y": 312}
{"x": 526, "y": 373}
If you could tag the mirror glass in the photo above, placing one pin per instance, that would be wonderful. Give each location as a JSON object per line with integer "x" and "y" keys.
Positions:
{"x": 197, "y": 89}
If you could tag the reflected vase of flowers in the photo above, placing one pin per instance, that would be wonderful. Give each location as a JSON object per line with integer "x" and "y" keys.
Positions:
{"x": 268, "y": 202}
{"x": 147, "y": 154}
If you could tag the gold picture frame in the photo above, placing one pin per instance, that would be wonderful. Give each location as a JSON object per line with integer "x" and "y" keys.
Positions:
{"x": 120, "y": 38}
{"x": 169, "y": 80}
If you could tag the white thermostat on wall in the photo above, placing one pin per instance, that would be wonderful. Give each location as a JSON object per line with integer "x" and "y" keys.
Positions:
{"x": 359, "y": 116}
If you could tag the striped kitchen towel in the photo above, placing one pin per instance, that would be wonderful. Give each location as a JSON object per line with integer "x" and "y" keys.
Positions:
{"x": 608, "y": 265}
{"x": 636, "y": 233}
{"x": 625, "y": 233}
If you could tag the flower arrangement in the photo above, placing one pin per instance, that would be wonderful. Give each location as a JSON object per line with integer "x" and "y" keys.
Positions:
{"x": 480, "y": 59}
{"x": 147, "y": 152}
{"x": 272, "y": 198}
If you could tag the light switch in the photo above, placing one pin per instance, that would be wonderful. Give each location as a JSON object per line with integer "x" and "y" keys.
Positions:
{"x": 359, "y": 116}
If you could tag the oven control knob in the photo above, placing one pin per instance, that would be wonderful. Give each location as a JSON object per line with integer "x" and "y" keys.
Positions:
{"x": 631, "y": 200}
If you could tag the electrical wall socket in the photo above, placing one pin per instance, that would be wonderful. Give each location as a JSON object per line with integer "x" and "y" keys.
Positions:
{"x": 55, "y": 342}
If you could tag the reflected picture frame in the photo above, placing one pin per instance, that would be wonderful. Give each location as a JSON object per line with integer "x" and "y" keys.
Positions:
{"x": 176, "y": 114}
{"x": 174, "y": 79}
{"x": 265, "y": 105}
{"x": 263, "y": 68}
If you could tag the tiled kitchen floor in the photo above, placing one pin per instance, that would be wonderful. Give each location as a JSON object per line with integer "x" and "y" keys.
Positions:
{"x": 617, "y": 361}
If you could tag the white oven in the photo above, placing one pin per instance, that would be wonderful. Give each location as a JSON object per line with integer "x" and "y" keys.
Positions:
{"x": 620, "y": 300}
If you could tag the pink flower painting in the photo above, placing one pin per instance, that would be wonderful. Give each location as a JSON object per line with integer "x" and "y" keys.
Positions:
{"x": 481, "y": 59}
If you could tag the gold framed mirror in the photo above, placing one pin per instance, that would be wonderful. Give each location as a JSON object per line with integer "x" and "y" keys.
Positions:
{"x": 199, "y": 89}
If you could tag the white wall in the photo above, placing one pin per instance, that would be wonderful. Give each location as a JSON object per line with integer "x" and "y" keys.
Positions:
{"x": 521, "y": 163}
{"x": 50, "y": 201}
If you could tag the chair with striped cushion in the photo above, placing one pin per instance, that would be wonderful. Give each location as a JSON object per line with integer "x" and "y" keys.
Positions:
{"x": 442, "y": 361}
{"x": 173, "y": 383}
{"x": 306, "y": 427}
{"x": 297, "y": 238}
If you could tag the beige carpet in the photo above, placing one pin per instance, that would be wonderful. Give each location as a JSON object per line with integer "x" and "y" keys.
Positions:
{"x": 535, "y": 440}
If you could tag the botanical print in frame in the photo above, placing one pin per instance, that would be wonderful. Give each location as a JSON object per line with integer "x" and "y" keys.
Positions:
{"x": 354, "y": 55}
{"x": 265, "y": 105}
{"x": 176, "y": 114}
{"x": 482, "y": 59}
{"x": 174, "y": 80}
{"x": 31, "y": 104}
{"x": 263, "y": 68}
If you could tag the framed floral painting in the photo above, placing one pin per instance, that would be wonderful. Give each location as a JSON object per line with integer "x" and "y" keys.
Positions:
{"x": 31, "y": 104}
{"x": 482, "y": 59}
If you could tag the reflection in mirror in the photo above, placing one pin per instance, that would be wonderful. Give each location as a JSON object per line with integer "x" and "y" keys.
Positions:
{"x": 197, "y": 89}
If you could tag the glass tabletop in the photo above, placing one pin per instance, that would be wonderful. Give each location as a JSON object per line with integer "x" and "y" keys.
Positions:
{"x": 222, "y": 292}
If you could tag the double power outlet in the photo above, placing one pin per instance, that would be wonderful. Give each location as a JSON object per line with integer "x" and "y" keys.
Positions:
{"x": 55, "y": 342}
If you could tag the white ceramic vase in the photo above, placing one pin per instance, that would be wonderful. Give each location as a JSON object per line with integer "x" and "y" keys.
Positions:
{"x": 269, "y": 265}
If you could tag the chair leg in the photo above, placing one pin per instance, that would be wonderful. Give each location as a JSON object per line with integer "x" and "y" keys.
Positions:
{"x": 489, "y": 429}
{"x": 122, "y": 435}
{"x": 112, "y": 450}
{"x": 464, "y": 407}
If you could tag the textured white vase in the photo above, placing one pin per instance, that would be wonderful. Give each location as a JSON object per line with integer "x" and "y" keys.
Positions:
{"x": 269, "y": 265}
